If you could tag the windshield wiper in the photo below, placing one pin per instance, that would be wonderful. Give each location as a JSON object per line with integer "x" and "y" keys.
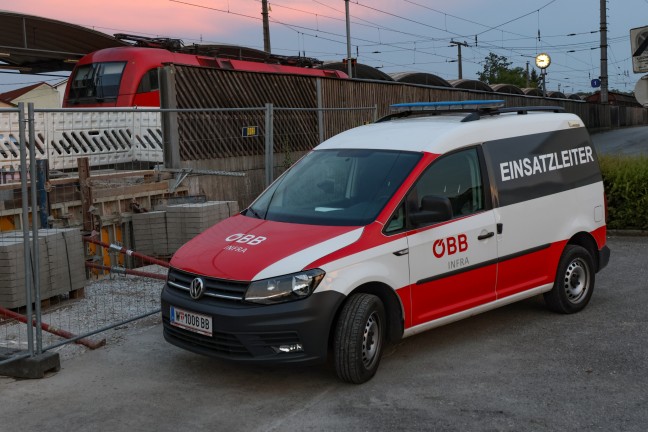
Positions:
{"x": 254, "y": 213}
{"x": 98, "y": 79}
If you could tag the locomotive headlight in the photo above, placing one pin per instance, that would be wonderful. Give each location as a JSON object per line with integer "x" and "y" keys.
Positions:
{"x": 284, "y": 288}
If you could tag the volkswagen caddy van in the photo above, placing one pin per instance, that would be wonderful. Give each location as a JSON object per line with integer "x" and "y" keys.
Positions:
{"x": 433, "y": 214}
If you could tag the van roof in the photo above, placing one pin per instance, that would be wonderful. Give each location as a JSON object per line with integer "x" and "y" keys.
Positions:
{"x": 443, "y": 133}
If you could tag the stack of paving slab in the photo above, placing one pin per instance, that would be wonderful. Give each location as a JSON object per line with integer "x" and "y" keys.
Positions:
{"x": 61, "y": 265}
{"x": 186, "y": 221}
{"x": 150, "y": 233}
{"x": 12, "y": 269}
{"x": 66, "y": 259}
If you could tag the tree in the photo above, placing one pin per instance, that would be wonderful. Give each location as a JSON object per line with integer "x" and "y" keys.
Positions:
{"x": 534, "y": 81}
{"x": 497, "y": 70}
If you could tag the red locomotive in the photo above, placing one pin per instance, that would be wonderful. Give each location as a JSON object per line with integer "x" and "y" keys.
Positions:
{"x": 127, "y": 76}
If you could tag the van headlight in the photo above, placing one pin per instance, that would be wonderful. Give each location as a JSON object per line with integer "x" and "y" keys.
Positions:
{"x": 284, "y": 288}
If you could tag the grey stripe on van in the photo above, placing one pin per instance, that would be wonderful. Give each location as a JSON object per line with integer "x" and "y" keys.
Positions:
{"x": 532, "y": 166}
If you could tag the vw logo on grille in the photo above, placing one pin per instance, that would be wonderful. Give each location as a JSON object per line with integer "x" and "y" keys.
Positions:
{"x": 197, "y": 288}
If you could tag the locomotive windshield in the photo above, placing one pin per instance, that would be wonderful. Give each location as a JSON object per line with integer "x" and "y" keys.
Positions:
{"x": 96, "y": 83}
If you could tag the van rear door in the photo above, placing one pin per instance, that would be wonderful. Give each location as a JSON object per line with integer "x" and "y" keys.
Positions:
{"x": 547, "y": 187}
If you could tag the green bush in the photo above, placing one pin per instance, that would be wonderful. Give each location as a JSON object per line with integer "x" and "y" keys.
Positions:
{"x": 626, "y": 188}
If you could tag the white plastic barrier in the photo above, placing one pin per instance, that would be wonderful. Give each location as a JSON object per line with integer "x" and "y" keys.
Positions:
{"x": 106, "y": 138}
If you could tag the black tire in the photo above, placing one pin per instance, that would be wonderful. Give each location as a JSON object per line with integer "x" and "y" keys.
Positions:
{"x": 359, "y": 338}
{"x": 574, "y": 283}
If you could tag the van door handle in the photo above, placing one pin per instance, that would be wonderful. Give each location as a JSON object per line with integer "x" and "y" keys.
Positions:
{"x": 486, "y": 235}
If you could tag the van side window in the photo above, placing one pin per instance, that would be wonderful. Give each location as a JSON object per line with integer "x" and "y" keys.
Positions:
{"x": 397, "y": 221}
{"x": 457, "y": 177}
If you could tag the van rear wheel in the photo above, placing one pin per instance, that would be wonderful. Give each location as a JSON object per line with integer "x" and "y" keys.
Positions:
{"x": 359, "y": 338}
{"x": 574, "y": 283}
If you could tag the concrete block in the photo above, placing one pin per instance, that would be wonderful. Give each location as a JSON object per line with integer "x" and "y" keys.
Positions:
{"x": 35, "y": 367}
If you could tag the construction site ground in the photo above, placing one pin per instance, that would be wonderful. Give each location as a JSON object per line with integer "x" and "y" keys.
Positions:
{"x": 520, "y": 367}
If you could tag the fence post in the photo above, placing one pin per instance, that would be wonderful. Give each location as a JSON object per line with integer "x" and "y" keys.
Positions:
{"x": 269, "y": 144}
{"x": 320, "y": 112}
{"x": 83, "y": 166}
{"x": 42, "y": 174}
{"x": 35, "y": 256}
{"x": 375, "y": 113}
{"x": 25, "y": 224}
{"x": 168, "y": 100}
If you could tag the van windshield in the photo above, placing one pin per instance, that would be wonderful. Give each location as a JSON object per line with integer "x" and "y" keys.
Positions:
{"x": 335, "y": 187}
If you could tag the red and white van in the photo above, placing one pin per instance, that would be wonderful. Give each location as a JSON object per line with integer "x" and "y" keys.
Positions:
{"x": 431, "y": 215}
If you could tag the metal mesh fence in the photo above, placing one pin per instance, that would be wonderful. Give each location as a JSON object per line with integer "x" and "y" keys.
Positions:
{"x": 223, "y": 133}
{"x": 106, "y": 303}
{"x": 92, "y": 171}
{"x": 81, "y": 189}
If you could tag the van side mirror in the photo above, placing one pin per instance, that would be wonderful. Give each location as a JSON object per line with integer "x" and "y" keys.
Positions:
{"x": 434, "y": 209}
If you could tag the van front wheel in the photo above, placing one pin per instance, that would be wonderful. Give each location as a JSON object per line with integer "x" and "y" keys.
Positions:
{"x": 359, "y": 338}
{"x": 574, "y": 283}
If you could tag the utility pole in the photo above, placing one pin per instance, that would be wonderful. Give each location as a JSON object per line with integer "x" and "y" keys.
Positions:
{"x": 527, "y": 74}
{"x": 266, "y": 27}
{"x": 604, "y": 66}
{"x": 459, "y": 45}
{"x": 348, "y": 31}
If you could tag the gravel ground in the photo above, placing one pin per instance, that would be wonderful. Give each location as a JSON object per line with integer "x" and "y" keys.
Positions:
{"x": 108, "y": 301}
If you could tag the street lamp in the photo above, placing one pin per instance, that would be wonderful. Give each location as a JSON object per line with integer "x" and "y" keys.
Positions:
{"x": 543, "y": 61}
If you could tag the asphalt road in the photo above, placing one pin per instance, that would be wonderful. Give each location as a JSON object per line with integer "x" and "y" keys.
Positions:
{"x": 519, "y": 368}
{"x": 627, "y": 141}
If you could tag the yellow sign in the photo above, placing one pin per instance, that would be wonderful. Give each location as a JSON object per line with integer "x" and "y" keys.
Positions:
{"x": 250, "y": 131}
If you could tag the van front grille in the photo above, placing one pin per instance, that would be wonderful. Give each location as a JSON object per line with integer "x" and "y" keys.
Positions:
{"x": 215, "y": 288}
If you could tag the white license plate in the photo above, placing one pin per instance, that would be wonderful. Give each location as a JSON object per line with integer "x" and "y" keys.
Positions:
{"x": 191, "y": 321}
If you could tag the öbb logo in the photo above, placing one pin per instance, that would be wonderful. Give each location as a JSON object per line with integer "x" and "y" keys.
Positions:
{"x": 450, "y": 246}
{"x": 249, "y": 239}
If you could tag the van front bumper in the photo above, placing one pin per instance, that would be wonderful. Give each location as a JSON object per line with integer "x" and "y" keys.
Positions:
{"x": 292, "y": 332}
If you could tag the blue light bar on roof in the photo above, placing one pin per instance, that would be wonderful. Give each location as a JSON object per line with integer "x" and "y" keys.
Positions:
{"x": 448, "y": 105}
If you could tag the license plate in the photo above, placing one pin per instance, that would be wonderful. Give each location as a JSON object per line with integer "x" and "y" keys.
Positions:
{"x": 191, "y": 321}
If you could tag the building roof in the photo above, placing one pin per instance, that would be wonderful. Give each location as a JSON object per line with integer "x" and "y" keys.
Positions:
{"x": 33, "y": 44}
{"x": 532, "y": 91}
{"x": 556, "y": 94}
{"x": 423, "y": 78}
{"x": 507, "y": 88}
{"x": 470, "y": 84}
{"x": 361, "y": 71}
{"x": 12, "y": 95}
{"x": 614, "y": 98}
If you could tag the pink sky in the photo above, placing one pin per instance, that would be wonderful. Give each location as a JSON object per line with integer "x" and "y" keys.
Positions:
{"x": 420, "y": 43}
{"x": 158, "y": 17}
{"x": 184, "y": 20}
